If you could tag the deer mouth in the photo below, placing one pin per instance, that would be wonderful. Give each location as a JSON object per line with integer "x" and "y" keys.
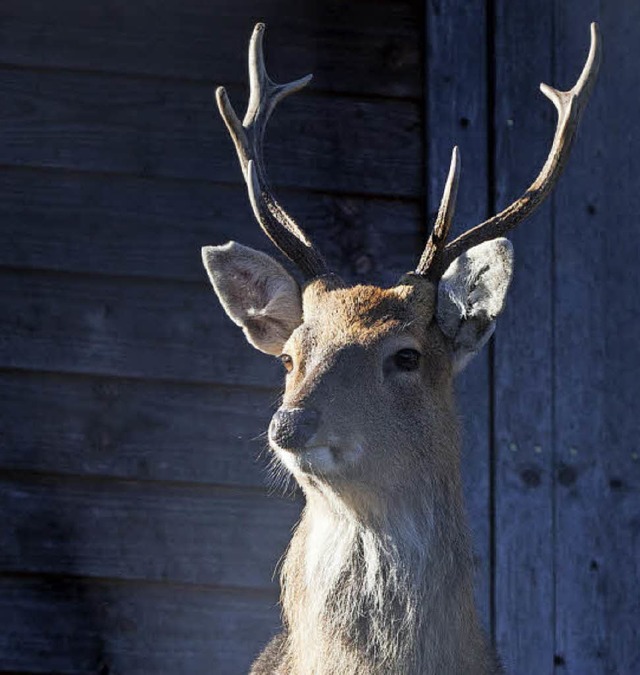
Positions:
{"x": 317, "y": 460}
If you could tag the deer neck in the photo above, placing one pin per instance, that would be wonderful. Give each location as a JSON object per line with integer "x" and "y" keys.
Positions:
{"x": 383, "y": 590}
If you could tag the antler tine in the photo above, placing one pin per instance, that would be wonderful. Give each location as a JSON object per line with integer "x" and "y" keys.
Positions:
{"x": 248, "y": 138}
{"x": 435, "y": 245}
{"x": 570, "y": 105}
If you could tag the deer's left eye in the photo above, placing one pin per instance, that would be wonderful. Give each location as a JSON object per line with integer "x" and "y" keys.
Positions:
{"x": 287, "y": 362}
{"x": 407, "y": 360}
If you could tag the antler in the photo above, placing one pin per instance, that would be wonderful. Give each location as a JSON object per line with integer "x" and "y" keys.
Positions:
{"x": 435, "y": 245}
{"x": 248, "y": 138}
{"x": 570, "y": 105}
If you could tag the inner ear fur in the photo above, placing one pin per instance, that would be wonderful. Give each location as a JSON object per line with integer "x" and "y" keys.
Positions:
{"x": 256, "y": 292}
{"x": 471, "y": 295}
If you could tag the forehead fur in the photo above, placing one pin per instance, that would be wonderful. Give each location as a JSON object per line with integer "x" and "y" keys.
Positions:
{"x": 365, "y": 312}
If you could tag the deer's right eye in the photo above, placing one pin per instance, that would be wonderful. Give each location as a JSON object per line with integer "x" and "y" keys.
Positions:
{"x": 407, "y": 360}
{"x": 287, "y": 362}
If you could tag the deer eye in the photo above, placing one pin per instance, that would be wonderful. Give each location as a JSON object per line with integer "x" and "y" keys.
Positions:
{"x": 407, "y": 359}
{"x": 287, "y": 362}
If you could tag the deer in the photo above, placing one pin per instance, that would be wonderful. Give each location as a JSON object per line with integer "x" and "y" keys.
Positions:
{"x": 378, "y": 576}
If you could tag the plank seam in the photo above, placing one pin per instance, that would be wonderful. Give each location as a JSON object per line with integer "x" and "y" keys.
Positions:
{"x": 178, "y": 180}
{"x": 62, "y": 375}
{"x": 142, "y": 77}
{"x": 60, "y": 578}
{"x": 554, "y": 497}
{"x": 88, "y": 375}
{"x": 35, "y": 477}
{"x": 490, "y": 21}
{"x": 424, "y": 226}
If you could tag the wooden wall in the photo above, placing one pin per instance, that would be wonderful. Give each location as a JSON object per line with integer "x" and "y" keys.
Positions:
{"x": 138, "y": 535}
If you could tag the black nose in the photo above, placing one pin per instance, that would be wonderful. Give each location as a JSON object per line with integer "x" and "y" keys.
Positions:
{"x": 292, "y": 428}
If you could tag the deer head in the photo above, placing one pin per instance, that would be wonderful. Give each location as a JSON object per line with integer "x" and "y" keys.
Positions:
{"x": 368, "y": 404}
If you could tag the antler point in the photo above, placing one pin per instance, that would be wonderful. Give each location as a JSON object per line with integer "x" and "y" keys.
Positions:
{"x": 455, "y": 161}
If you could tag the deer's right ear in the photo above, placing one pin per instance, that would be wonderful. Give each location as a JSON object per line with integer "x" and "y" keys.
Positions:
{"x": 257, "y": 293}
{"x": 471, "y": 295}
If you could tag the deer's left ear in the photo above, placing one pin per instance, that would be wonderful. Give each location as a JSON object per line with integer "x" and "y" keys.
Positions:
{"x": 471, "y": 294}
{"x": 257, "y": 294}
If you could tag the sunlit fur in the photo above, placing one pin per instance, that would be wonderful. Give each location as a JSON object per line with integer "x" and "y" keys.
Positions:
{"x": 378, "y": 577}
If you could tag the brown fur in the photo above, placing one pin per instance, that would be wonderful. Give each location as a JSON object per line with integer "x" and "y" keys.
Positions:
{"x": 378, "y": 577}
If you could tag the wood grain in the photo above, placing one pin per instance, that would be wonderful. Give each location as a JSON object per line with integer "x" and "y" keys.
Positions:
{"x": 362, "y": 47}
{"x": 130, "y": 226}
{"x": 137, "y": 536}
{"x": 154, "y": 532}
{"x": 73, "y": 627}
{"x": 124, "y": 428}
{"x": 169, "y": 128}
{"x": 150, "y": 329}
{"x": 524, "y": 123}
{"x": 457, "y": 114}
{"x": 596, "y": 342}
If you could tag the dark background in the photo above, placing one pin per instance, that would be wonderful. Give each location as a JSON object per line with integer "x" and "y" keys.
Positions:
{"x": 137, "y": 534}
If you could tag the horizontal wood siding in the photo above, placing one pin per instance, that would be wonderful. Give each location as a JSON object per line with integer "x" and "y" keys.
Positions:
{"x": 142, "y": 528}
{"x": 98, "y": 325}
{"x": 142, "y": 227}
{"x": 166, "y": 128}
{"x": 214, "y": 536}
{"x": 79, "y": 626}
{"x": 135, "y": 429}
{"x": 360, "y": 47}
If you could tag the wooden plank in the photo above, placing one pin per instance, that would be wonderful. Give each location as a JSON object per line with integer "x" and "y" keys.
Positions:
{"x": 151, "y": 330}
{"x": 80, "y": 627}
{"x": 133, "y": 429}
{"x": 597, "y": 360}
{"x": 456, "y": 114}
{"x": 363, "y": 46}
{"x": 169, "y": 128}
{"x": 524, "y": 122}
{"x": 131, "y": 226}
{"x": 157, "y": 532}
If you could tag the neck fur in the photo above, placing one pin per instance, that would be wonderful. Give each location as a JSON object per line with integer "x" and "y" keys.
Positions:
{"x": 390, "y": 593}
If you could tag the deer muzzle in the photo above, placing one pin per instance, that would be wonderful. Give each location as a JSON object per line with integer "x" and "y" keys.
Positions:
{"x": 293, "y": 428}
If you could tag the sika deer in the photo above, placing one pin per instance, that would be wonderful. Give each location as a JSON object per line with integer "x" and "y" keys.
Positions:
{"x": 378, "y": 577}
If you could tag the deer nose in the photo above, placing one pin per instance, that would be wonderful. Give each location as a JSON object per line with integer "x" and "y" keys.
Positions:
{"x": 292, "y": 428}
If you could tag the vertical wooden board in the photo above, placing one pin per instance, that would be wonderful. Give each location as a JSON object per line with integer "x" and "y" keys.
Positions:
{"x": 597, "y": 359}
{"x": 456, "y": 99}
{"x": 524, "y": 123}
{"x": 80, "y": 627}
